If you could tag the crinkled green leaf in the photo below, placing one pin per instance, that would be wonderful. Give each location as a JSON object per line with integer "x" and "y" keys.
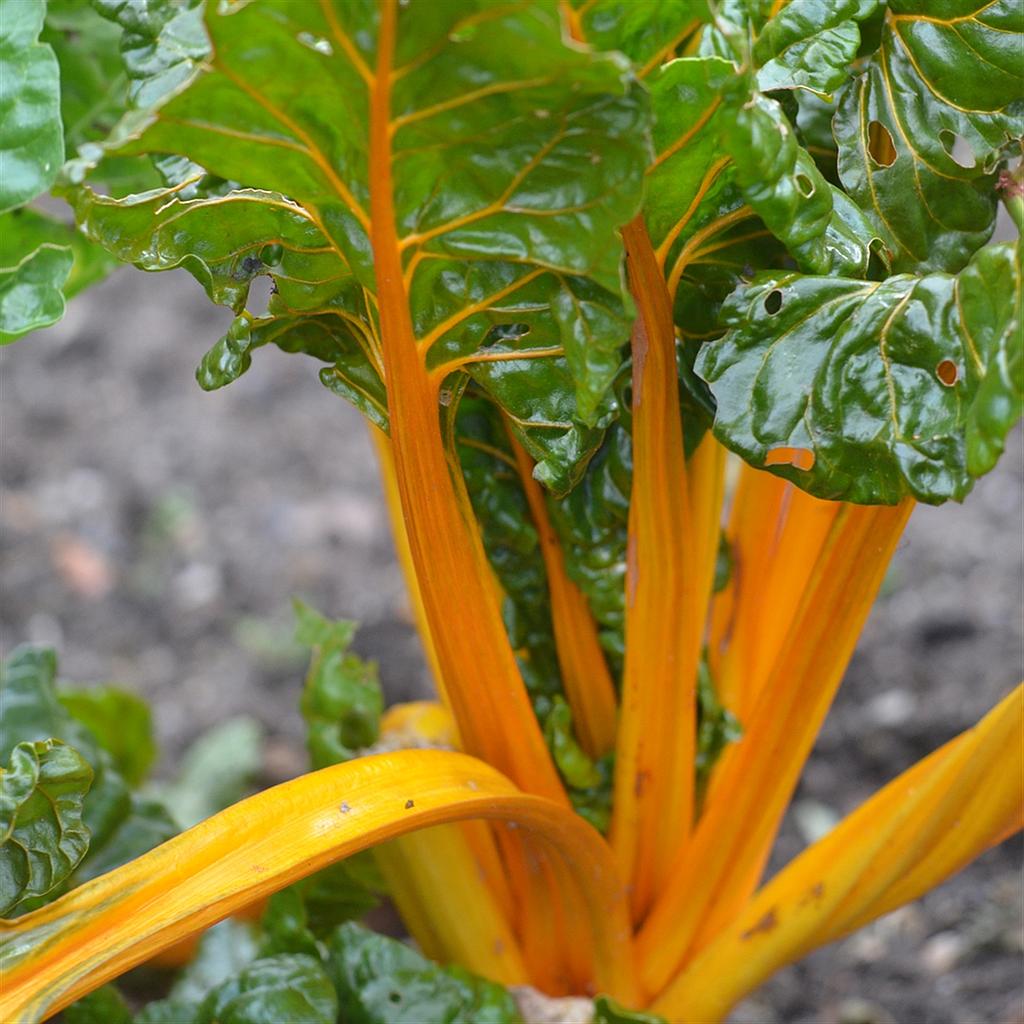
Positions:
{"x": 216, "y": 771}
{"x": 42, "y": 836}
{"x": 168, "y": 1011}
{"x": 608, "y": 1011}
{"x": 574, "y": 765}
{"x": 904, "y": 387}
{"x": 93, "y": 84}
{"x": 287, "y": 987}
{"x": 162, "y": 42}
{"x": 31, "y": 294}
{"x": 31, "y": 137}
{"x": 224, "y": 950}
{"x": 591, "y": 523}
{"x": 810, "y": 44}
{"x": 343, "y": 892}
{"x": 104, "y": 1006}
{"x": 342, "y": 700}
{"x": 285, "y": 925}
{"x": 381, "y": 981}
{"x": 120, "y": 721}
{"x": 939, "y": 73}
{"x": 122, "y": 824}
{"x": 516, "y": 157}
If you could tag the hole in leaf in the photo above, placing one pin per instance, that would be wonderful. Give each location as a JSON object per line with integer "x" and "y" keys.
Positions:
{"x": 505, "y": 332}
{"x": 947, "y": 372}
{"x": 805, "y": 185}
{"x": 773, "y": 302}
{"x": 798, "y": 458}
{"x": 958, "y": 148}
{"x": 261, "y": 291}
{"x": 881, "y": 148}
{"x": 394, "y": 997}
{"x": 271, "y": 254}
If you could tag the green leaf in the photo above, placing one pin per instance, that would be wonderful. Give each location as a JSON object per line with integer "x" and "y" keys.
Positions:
{"x": 215, "y": 772}
{"x": 608, "y": 1011}
{"x": 515, "y": 157}
{"x": 905, "y": 387}
{"x": 162, "y": 42}
{"x": 30, "y": 291}
{"x": 343, "y": 892}
{"x": 104, "y": 1006}
{"x": 43, "y": 262}
{"x": 381, "y": 981}
{"x": 122, "y": 724}
{"x": 574, "y": 765}
{"x": 342, "y": 700}
{"x": 93, "y": 84}
{"x": 939, "y": 73}
{"x": 168, "y": 1011}
{"x": 810, "y": 45}
{"x": 122, "y": 824}
{"x": 31, "y": 138}
{"x": 42, "y": 837}
{"x": 285, "y": 925}
{"x": 287, "y": 987}
{"x": 647, "y": 33}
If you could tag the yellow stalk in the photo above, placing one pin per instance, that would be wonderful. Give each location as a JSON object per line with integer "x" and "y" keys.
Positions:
{"x": 706, "y": 485}
{"x": 393, "y": 500}
{"x": 102, "y": 929}
{"x": 448, "y": 881}
{"x": 754, "y": 525}
{"x": 442, "y": 894}
{"x": 752, "y": 784}
{"x": 588, "y": 683}
{"x": 924, "y": 826}
{"x": 474, "y": 658}
{"x": 654, "y": 767}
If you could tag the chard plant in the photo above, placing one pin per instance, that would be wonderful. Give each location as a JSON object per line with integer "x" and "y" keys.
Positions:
{"x": 663, "y": 317}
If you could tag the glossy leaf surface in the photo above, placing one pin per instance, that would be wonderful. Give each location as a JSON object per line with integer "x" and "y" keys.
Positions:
{"x": 42, "y": 837}
{"x": 381, "y": 981}
{"x": 505, "y": 248}
{"x": 905, "y": 387}
{"x": 939, "y": 74}
{"x": 31, "y": 136}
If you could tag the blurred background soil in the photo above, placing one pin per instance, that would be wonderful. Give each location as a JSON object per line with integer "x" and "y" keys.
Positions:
{"x": 155, "y": 534}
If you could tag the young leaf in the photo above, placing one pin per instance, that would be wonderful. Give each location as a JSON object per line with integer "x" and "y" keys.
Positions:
{"x": 121, "y": 723}
{"x": 42, "y": 837}
{"x": 286, "y": 987}
{"x": 31, "y": 137}
{"x": 608, "y": 1011}
{"x": 938, "y": 75}
{"x": 906, "y": 387}
{"x": 381, "y": 981}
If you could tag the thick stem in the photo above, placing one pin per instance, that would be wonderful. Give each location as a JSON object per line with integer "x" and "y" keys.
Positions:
{"x": 98, "y": 931}
{"x": 654, "y": 769}
{"x": 755, "y": 779}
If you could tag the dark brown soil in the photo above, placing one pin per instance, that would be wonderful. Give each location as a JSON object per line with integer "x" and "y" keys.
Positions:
{"x": 155, "y": 535}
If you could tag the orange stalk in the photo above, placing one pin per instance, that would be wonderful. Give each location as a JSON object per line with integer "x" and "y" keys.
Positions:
{"x": 66, "y": 949}
{"x": 753, "y": 783}
{"x": 921, "y": 828}
{"x": 654, "y": 769}
{"x": 705, "y": 473}
{"x": 481, "y": 678}
{"x": 585, "y": 676}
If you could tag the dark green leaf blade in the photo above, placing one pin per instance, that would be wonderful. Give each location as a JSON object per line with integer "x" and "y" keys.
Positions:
{"x": 381, "y": 981}
{"x": 286, "y": 987}
{"x": 937, "y": 76}
{"x": 42, "y": 837}
{"x": 886, "y": 389}
{"x": 31, "y": 294}
{"x": 31, "y": 136}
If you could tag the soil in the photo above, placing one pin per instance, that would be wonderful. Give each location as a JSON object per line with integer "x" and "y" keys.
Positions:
{"x": 155, "y": 534}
